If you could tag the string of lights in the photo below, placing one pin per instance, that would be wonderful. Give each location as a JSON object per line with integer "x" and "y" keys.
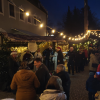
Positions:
{"x": 75, "y": 38}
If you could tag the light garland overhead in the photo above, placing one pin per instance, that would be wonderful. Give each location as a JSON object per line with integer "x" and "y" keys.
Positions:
{"x": 76, "y": 38}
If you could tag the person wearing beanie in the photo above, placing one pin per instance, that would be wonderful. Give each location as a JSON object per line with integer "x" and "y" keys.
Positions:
{"x": 60, "y": 56}
{"x": 13, "y": 66}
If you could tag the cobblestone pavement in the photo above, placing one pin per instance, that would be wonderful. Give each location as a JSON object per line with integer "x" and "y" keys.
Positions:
{"x": 77, "y": 89}
{"x": 78, "y": 85}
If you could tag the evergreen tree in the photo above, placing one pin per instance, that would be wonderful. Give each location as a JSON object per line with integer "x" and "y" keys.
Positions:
{"x": 73, "y": 21}
{"x": 68, "y": 22}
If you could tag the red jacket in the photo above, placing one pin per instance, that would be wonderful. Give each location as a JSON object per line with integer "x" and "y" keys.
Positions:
{"x": 86, "y": 53}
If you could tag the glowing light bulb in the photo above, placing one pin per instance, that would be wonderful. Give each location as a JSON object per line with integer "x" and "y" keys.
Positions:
{"x": 64, "y": 36}
{"x": 27, "y": 14}
{"x": 70, "y": 38}
{"x": 61, "y": 33}
{"x": 53, "y": 31}
{"x": 89, "y": 31}
{"x": 41, "y": 25}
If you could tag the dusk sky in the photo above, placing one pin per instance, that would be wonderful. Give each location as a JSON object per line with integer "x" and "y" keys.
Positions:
{"x": 57, "y": 8}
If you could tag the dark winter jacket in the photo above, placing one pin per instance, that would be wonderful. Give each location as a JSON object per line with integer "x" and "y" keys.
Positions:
{"x": 65, "y": 81}
{"x": 13, "y": 66}
{"x": 60, "y": 58}
{"x": 43, "y": 76}
{"x": 47, "y": 53}
{"x": 90, "y": 86}
{"x": 71, "y": 56}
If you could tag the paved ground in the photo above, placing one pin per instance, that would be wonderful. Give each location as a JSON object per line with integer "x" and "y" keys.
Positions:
{"x": 77, "y": 90}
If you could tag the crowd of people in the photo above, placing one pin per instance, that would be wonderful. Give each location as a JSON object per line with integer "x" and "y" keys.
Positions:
{"x": 30, "y": 79}
{"x": 36, "y": 82}
{"x": 93, "y": 82}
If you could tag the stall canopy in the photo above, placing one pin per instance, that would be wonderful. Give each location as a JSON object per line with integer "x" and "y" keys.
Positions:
{"x": 27, "y": 38}
{"x": 23, "y": 32}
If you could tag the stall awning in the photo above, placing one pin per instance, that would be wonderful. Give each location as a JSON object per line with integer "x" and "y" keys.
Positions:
{"x": 27, "y": 38}
{"x": 23, "y": 32}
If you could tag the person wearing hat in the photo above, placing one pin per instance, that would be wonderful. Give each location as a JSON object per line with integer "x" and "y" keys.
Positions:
{"x": 60, "y": 56}
{"x": 13, "y": 66}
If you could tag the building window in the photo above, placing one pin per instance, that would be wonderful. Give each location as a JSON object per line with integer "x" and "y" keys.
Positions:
{"x": 11, "y": 9}
{"x": 35, "y": 22}
{"x": 1, "y": 10}
{"x": 39, "y": 20}
{"x": 29, "y": 19}
{"x": 21, "y": 15}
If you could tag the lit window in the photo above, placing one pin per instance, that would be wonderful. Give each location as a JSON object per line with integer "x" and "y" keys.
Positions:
{"x": 11, "y": 9}
{"x": 21, "y": 15}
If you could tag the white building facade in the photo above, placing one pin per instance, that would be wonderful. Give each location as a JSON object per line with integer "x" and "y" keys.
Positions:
{"x": 13, "y": 16}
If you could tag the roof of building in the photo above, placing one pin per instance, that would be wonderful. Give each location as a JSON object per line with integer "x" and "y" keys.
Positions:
{"x": 38, "y": 4}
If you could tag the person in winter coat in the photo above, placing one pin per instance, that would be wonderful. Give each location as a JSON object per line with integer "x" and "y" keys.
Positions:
{"x": 93, "y": 60}
{"x": 13, "y": 66}
{"x": 47, "y": 53}
{"x": 86, "y": 55}
{"x": 60, "y": 72}
{"x": 77, "y": 62}
{"x": 54, "y": 90}
{"x": 96, "y": 82}
{"x": 71, "y": 56}
{"x": 81, "y": 57}
{"x": 90, "y": 86}
{"x": 55, "y": 60}
{"x": 42, "y": 74}
{"x": 38, "y": 54}
{"x": 25, "y": 81}
{"x": 89, "y": 52}
{"x": 28, "y": 57}
{"x": 60, "y": 56}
